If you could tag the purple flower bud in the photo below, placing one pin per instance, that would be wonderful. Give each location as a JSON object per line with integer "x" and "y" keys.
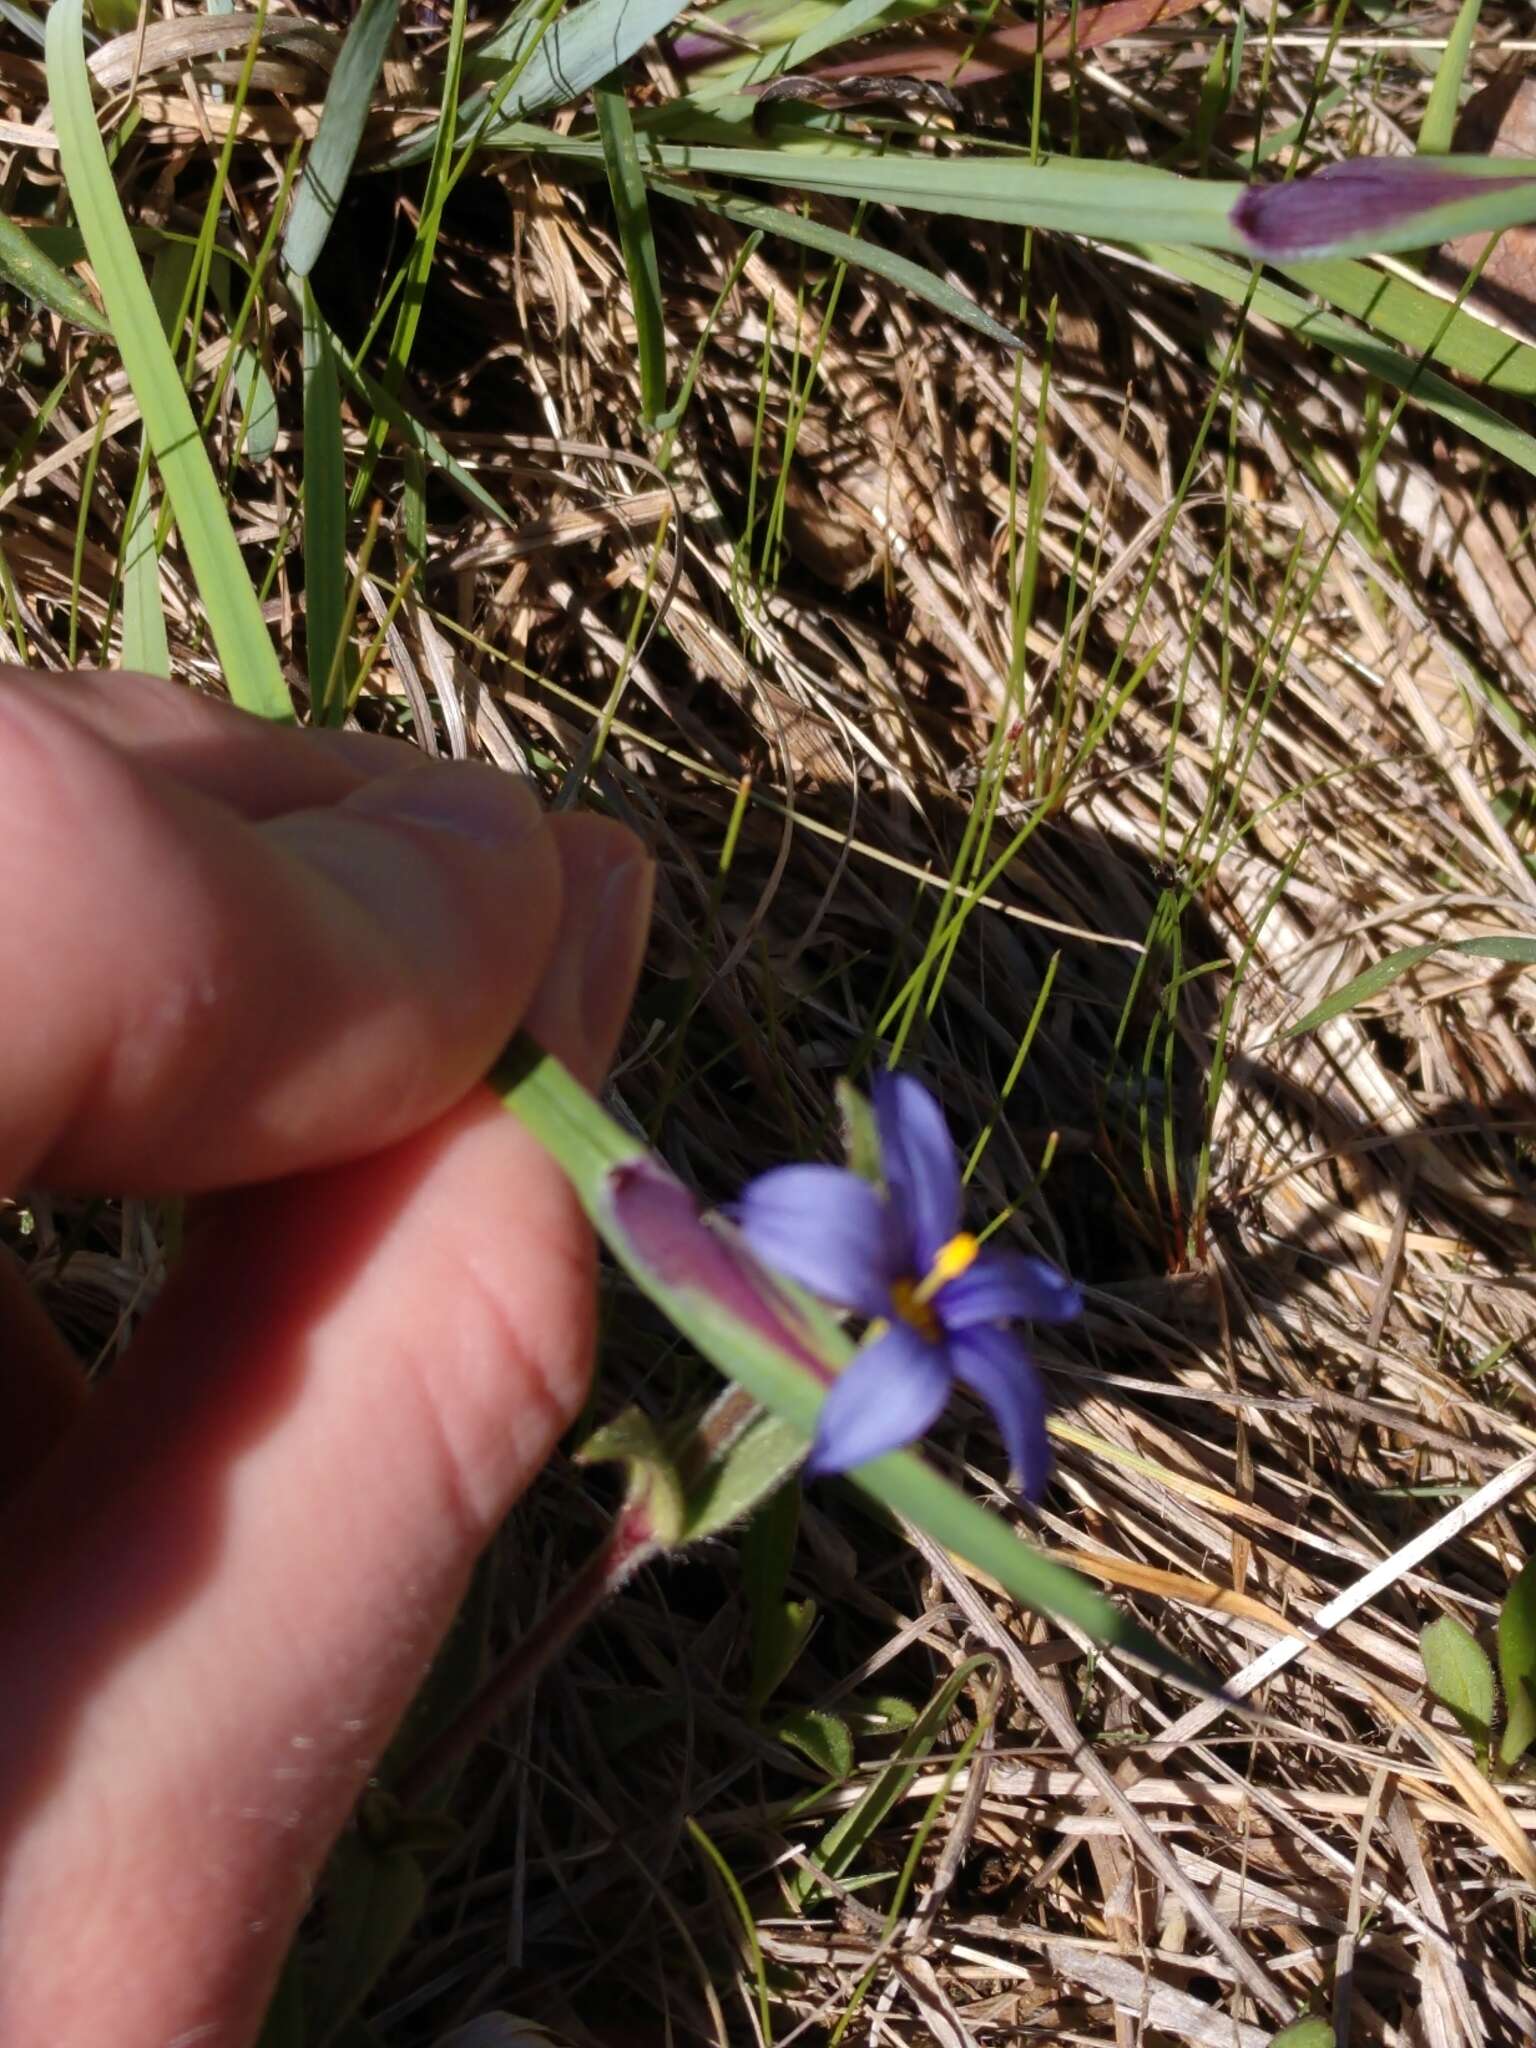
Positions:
{"x": 1367, "y": 198}
{"x": 663, "y": 1226}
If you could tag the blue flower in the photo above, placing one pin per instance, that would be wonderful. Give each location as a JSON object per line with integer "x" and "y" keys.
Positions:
{"x": 938, "y": 1303}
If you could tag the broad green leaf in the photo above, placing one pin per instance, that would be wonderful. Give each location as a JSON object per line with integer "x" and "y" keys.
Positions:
{"x": 626, "y": 182}
{"x": 913, "y": 278}
{"x": 38, "y": 277}
{"x": 1365, "y": 987}
{"x": 373, "y": 1899}
{"x": 1460, "y": 1676}
{"x": 240, "y": 636}
{"x": 331, "y": 154}
{"x": 1109, "y": 201}
{"x": 1438, "y": 127}
{"x": 1400, "y": 203}
{"x": 779, "y": 1370}
{"x": 1517, "y": 1665}
{"x": 824, "y": 1738}
{"x": 1308, "y": 2033}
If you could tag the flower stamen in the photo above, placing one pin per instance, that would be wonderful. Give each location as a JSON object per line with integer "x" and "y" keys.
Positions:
{"x": 949, "y": 1262}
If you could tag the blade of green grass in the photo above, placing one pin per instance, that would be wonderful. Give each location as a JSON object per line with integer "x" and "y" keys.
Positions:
{"x": 1405, "y": 312}
{"x": 244, "y": 646}
{"x": 1513, "y": 948}
{"x": 1438, "y": 126}
{"x": 559, "y": 61}
{"x": 37, "y": 277}
{"x": 418, "y": 265}
{"x": 334, "y": 149}
{"x": 1234, "y": 282}
{"x": 145, "y": 646}
{"x": 325, "y": 514}
{"x": 901, "y": 271}
{"x": 626, "y": 182}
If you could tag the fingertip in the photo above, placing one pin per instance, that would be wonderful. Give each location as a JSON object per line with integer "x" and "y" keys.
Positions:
{"x": 607, "y": 882}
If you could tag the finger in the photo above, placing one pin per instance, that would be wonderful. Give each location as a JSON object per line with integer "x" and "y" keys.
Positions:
{"x": 245, "y": 1554}
{"x": 579, "y": 1008}
{"x": 42, "y": 1387}
{"x": 257, "y": 768}
{"x": 195, "y": 1001}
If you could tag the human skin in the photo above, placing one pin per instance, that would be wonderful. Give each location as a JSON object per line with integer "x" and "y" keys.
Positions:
{"x": 266, "y": 969}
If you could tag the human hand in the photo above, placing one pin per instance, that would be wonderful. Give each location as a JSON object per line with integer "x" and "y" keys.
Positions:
{"x": 268, "y": 968}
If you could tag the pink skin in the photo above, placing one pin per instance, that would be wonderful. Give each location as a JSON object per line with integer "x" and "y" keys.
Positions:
{"x": 267, "y": 967}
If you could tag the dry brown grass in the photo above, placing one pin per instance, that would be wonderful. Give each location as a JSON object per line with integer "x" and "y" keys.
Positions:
{"x": 1311, "y": 1309}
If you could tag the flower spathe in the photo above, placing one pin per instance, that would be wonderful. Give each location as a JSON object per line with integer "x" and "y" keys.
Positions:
{"x": 939, "y": 1304}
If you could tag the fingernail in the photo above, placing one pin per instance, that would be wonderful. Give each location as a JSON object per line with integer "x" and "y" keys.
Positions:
{"x": 579, "y": 1011}
{"x": 482, "y": 805}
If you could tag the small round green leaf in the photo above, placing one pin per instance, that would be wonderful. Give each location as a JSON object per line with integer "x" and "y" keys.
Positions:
{"x": 1460, "y": 1676}
{"x": 1308, "y": 2033}
{"x": 1517, "y": 1665}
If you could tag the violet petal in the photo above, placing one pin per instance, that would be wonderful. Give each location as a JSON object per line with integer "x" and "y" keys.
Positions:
{"x": 894, "y": 1390}
{"x": 995, "y": 1365}
{"x": 825, "y": 1228}
{"x": 917, "y": 1156}
{"x": 1002, "y": 1286}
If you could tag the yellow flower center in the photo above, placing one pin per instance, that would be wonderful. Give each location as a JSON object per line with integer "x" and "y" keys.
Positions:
{"x": 913, "y": 1298}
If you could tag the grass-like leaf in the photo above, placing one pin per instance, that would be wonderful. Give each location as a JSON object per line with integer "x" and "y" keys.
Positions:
{"x": 145, "y": 645}
{"x": 325, "y": 516}
{"x": 239, "y": 634}
{"x": 626, "y": 181}
{"x": 1406, "y": 312}
{"x": 555, "y": 62}
{"x": 1288, "y": 309}
{"x": 1438, "y": 127}
{"x": 37, "y": 277}
{"x": 334, "y": 148}
{"x": 1375, "y": 979}
{"x": 913, "y": 278}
